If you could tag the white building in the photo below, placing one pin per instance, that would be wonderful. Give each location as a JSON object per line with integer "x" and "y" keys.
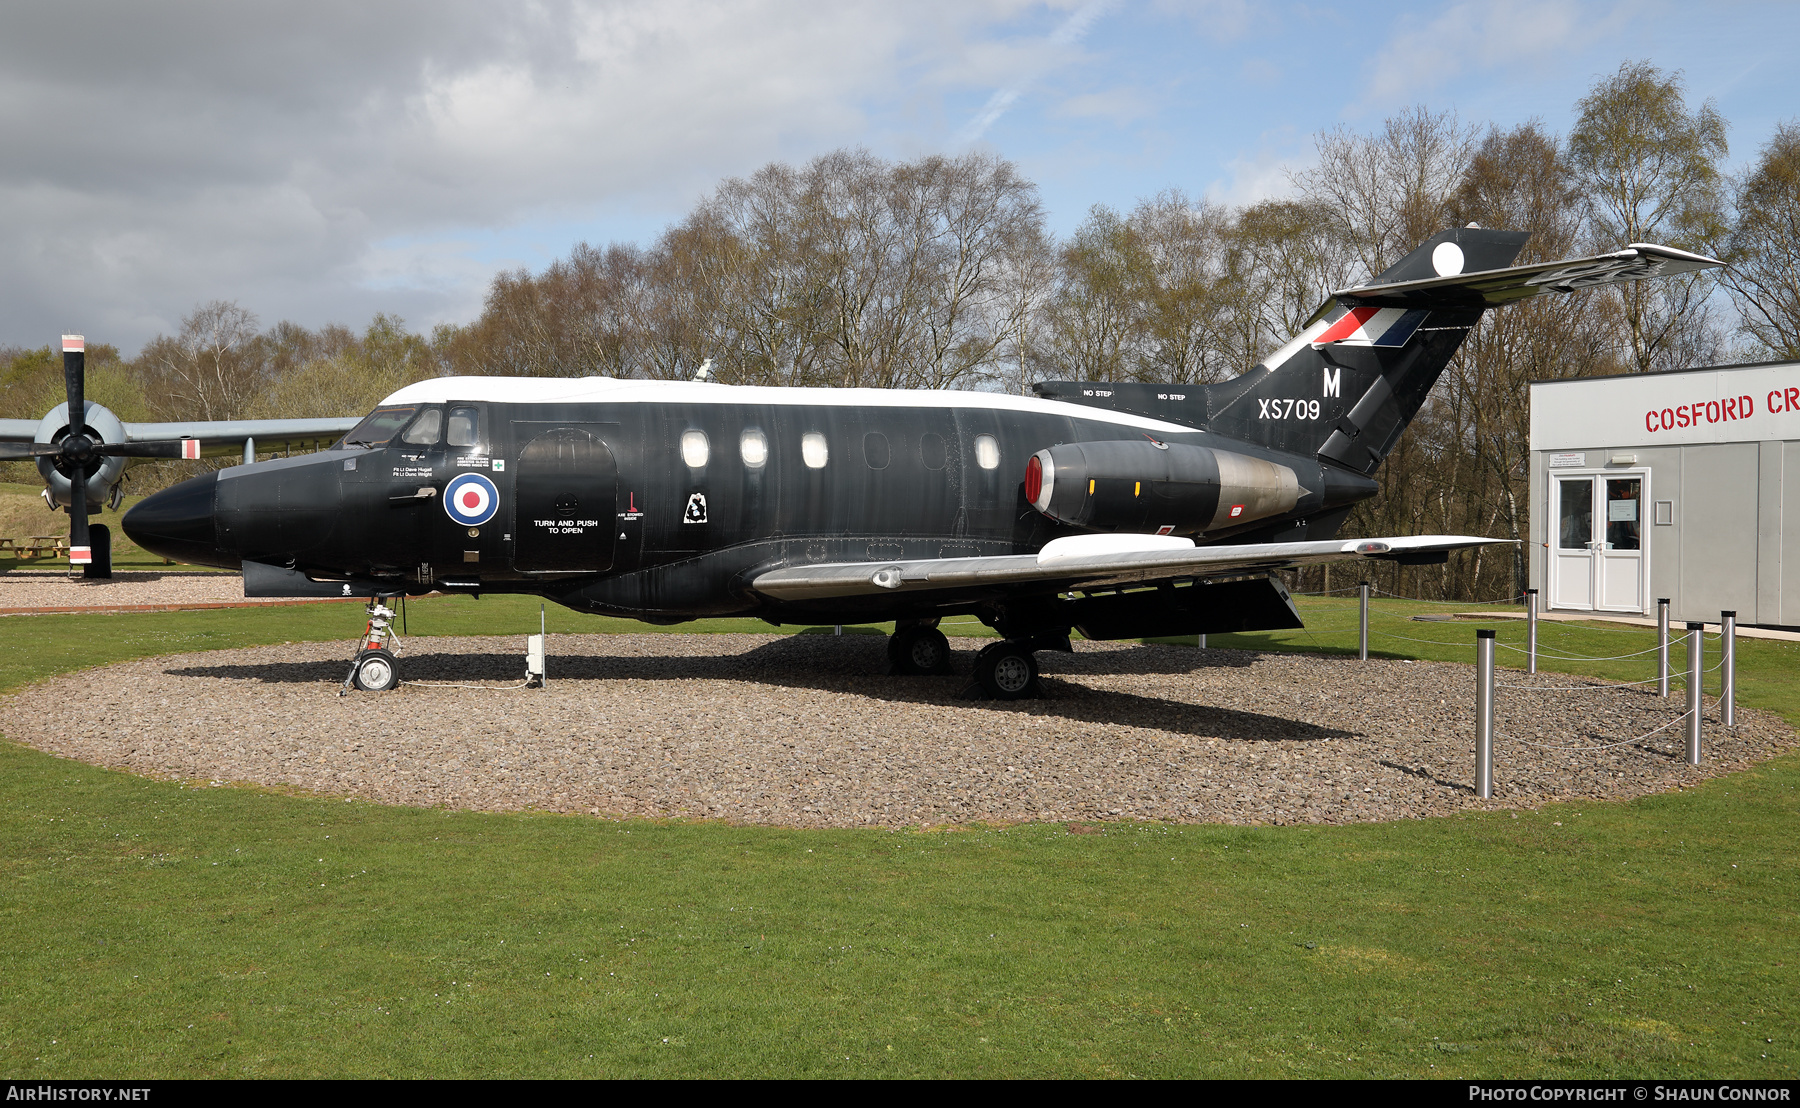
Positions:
{"x": 1683, "y": 485}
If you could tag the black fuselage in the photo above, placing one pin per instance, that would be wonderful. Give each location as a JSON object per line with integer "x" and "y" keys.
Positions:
{"x": 663, "y": 508}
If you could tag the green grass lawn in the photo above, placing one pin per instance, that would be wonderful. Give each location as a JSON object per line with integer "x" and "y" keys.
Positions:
{"x": 179, "y": 930}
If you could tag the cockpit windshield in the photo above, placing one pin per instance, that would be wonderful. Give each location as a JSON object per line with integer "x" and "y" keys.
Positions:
{"x": 379, "y": 427}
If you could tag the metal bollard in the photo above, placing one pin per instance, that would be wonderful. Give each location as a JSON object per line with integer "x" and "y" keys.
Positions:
{"x": 1662, "y": 647}
{"x": 1728, "y": 668}
{"x": 1484, "y": 714}
{"x": 1693, "y": 692}
{"x": 1200, "y": 641}
{"x": 838, "y": 629}
{"x": 1362, "y": 634}
{"x": 1531, "y": 630}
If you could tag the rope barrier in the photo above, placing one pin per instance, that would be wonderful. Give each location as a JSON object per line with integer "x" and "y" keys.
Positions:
{"x": 1579, "y": 688}
{"x": 1378, "y": 590}
{"x": 1608, "y": 746}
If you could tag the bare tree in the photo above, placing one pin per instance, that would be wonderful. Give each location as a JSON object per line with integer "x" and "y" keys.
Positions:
{"x": 1649, "y": 169}
{"x": 1283, "y": 259}
{"x": 1388, "y": 192}
{"x": 1764, "y": 247}
{"x": 212, "y": 369}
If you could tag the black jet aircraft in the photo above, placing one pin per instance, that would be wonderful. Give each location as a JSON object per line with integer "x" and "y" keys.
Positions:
{"x": 1119, "y": 510}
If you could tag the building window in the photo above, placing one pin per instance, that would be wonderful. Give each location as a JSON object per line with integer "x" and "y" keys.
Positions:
{"x": 754, "y": 448}
{"x": 694, "y": 449}
{"x": 814, "y": 451}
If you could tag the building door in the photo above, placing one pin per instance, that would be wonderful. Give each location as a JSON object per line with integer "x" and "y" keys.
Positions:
{"x": 1597, "y": 556}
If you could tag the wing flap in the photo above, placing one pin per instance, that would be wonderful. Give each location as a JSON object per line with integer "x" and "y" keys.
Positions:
{"x": 843, "y": 579}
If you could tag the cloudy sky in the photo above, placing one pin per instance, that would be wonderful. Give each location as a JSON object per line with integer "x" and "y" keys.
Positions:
{"x": 326, "y": 161}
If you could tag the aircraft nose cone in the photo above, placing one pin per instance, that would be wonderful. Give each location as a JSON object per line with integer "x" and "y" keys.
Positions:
{"x": 179, "y": 523}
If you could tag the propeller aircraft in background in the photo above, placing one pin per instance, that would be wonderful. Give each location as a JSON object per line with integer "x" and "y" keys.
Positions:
{"x": 1118, "y": 510}
{"x": 83, "y": 466}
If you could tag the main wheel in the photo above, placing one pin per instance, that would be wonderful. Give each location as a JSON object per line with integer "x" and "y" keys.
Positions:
{"x": 918, "y": 650}
{"x": 1006, "y": 671}
{"x": 376, "y": 671}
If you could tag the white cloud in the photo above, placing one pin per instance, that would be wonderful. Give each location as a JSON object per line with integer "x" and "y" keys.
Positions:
{"x": 1486, "y": 35}
{"x": 297, "y": 158}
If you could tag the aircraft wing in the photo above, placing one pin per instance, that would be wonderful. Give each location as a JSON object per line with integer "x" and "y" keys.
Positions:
{"x": 1087, "y": 561}
{"x": 18, "y": 430}
{"x": 1495, "y": 287}
{"x": 221, "y": 437}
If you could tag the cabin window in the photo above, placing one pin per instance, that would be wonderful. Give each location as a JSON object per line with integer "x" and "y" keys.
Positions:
{"x": 694, "y": 449}
{"x": 425, "y": 430}
{"x": 814, "y": 451}
{"x": 875, "y": 450}
{"x": 931, "y": 451}
{"x": 754, "y": 448}
{"x": 378, "y": 427}
{"x": 987, "y": 452}
{"x": 464, "y": 428}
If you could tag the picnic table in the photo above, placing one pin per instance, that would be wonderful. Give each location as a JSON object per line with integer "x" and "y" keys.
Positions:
{"x": 37, "y": 546}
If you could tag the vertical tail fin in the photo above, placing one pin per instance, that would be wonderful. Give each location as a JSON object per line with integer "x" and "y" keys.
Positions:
{"x": 1346, "y": 387}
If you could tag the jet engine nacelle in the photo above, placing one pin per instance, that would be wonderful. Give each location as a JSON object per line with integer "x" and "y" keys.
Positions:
{"x": 103, "y": 474}
{"x": 1153, "y": 487}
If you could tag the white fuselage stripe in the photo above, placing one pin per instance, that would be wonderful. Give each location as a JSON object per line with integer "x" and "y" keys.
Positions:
{"x": 608, "y": 390}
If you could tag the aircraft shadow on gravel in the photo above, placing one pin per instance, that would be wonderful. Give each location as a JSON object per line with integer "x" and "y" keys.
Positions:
{"x": 859, "y": 669}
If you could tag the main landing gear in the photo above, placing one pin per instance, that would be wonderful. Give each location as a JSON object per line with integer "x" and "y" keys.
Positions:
{"x": 1005, "y": 670}
{"x": 1008, "y": 670}
{"x": 374, "y": 668}
{"x": 919, "y": 648}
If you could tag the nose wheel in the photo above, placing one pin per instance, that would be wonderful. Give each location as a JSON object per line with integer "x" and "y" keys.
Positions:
{"x": 375, "y": 671}
{"x": 374, "y": 668}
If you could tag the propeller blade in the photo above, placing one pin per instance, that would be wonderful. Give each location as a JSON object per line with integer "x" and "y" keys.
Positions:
{"x": 161, "y": 448}
{"x": 75, "y": 380}
{"x": 81, "y": 551}
{"x": 12, "y": 451}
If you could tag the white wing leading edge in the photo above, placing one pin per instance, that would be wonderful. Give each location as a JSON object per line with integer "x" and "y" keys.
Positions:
{"x": 1088, "y": 561}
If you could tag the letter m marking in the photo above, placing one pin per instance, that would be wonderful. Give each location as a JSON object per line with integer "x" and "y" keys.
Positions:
{"x": 1333, "y": 374}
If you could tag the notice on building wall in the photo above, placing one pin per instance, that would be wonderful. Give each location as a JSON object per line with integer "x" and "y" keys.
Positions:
{"x": 1567, "y": 461}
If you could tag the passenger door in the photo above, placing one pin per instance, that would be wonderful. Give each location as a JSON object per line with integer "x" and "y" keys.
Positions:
{"x": 566, "y": 510}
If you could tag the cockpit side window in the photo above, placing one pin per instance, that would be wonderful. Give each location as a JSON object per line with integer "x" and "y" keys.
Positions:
{"x": 465, "y": 429}
{"x": 378, "y": 427}
{"x": 426, "y": 430}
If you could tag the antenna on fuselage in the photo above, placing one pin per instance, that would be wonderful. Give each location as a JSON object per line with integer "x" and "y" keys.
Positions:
{"x": 704, "y": 373}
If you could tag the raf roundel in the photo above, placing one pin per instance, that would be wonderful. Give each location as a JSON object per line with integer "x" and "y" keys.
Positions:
{"x": 471, "y": 500}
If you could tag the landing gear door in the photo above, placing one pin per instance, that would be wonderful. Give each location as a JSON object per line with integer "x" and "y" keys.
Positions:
{"x": 565, "y": 501}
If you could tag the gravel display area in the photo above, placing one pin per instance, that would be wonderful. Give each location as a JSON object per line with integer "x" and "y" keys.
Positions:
{"x": 52, "y": 589}
{"x": 806, "y": 730}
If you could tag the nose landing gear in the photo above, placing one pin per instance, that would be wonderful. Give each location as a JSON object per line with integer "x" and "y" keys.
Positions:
{"x": 374, "y": 668}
